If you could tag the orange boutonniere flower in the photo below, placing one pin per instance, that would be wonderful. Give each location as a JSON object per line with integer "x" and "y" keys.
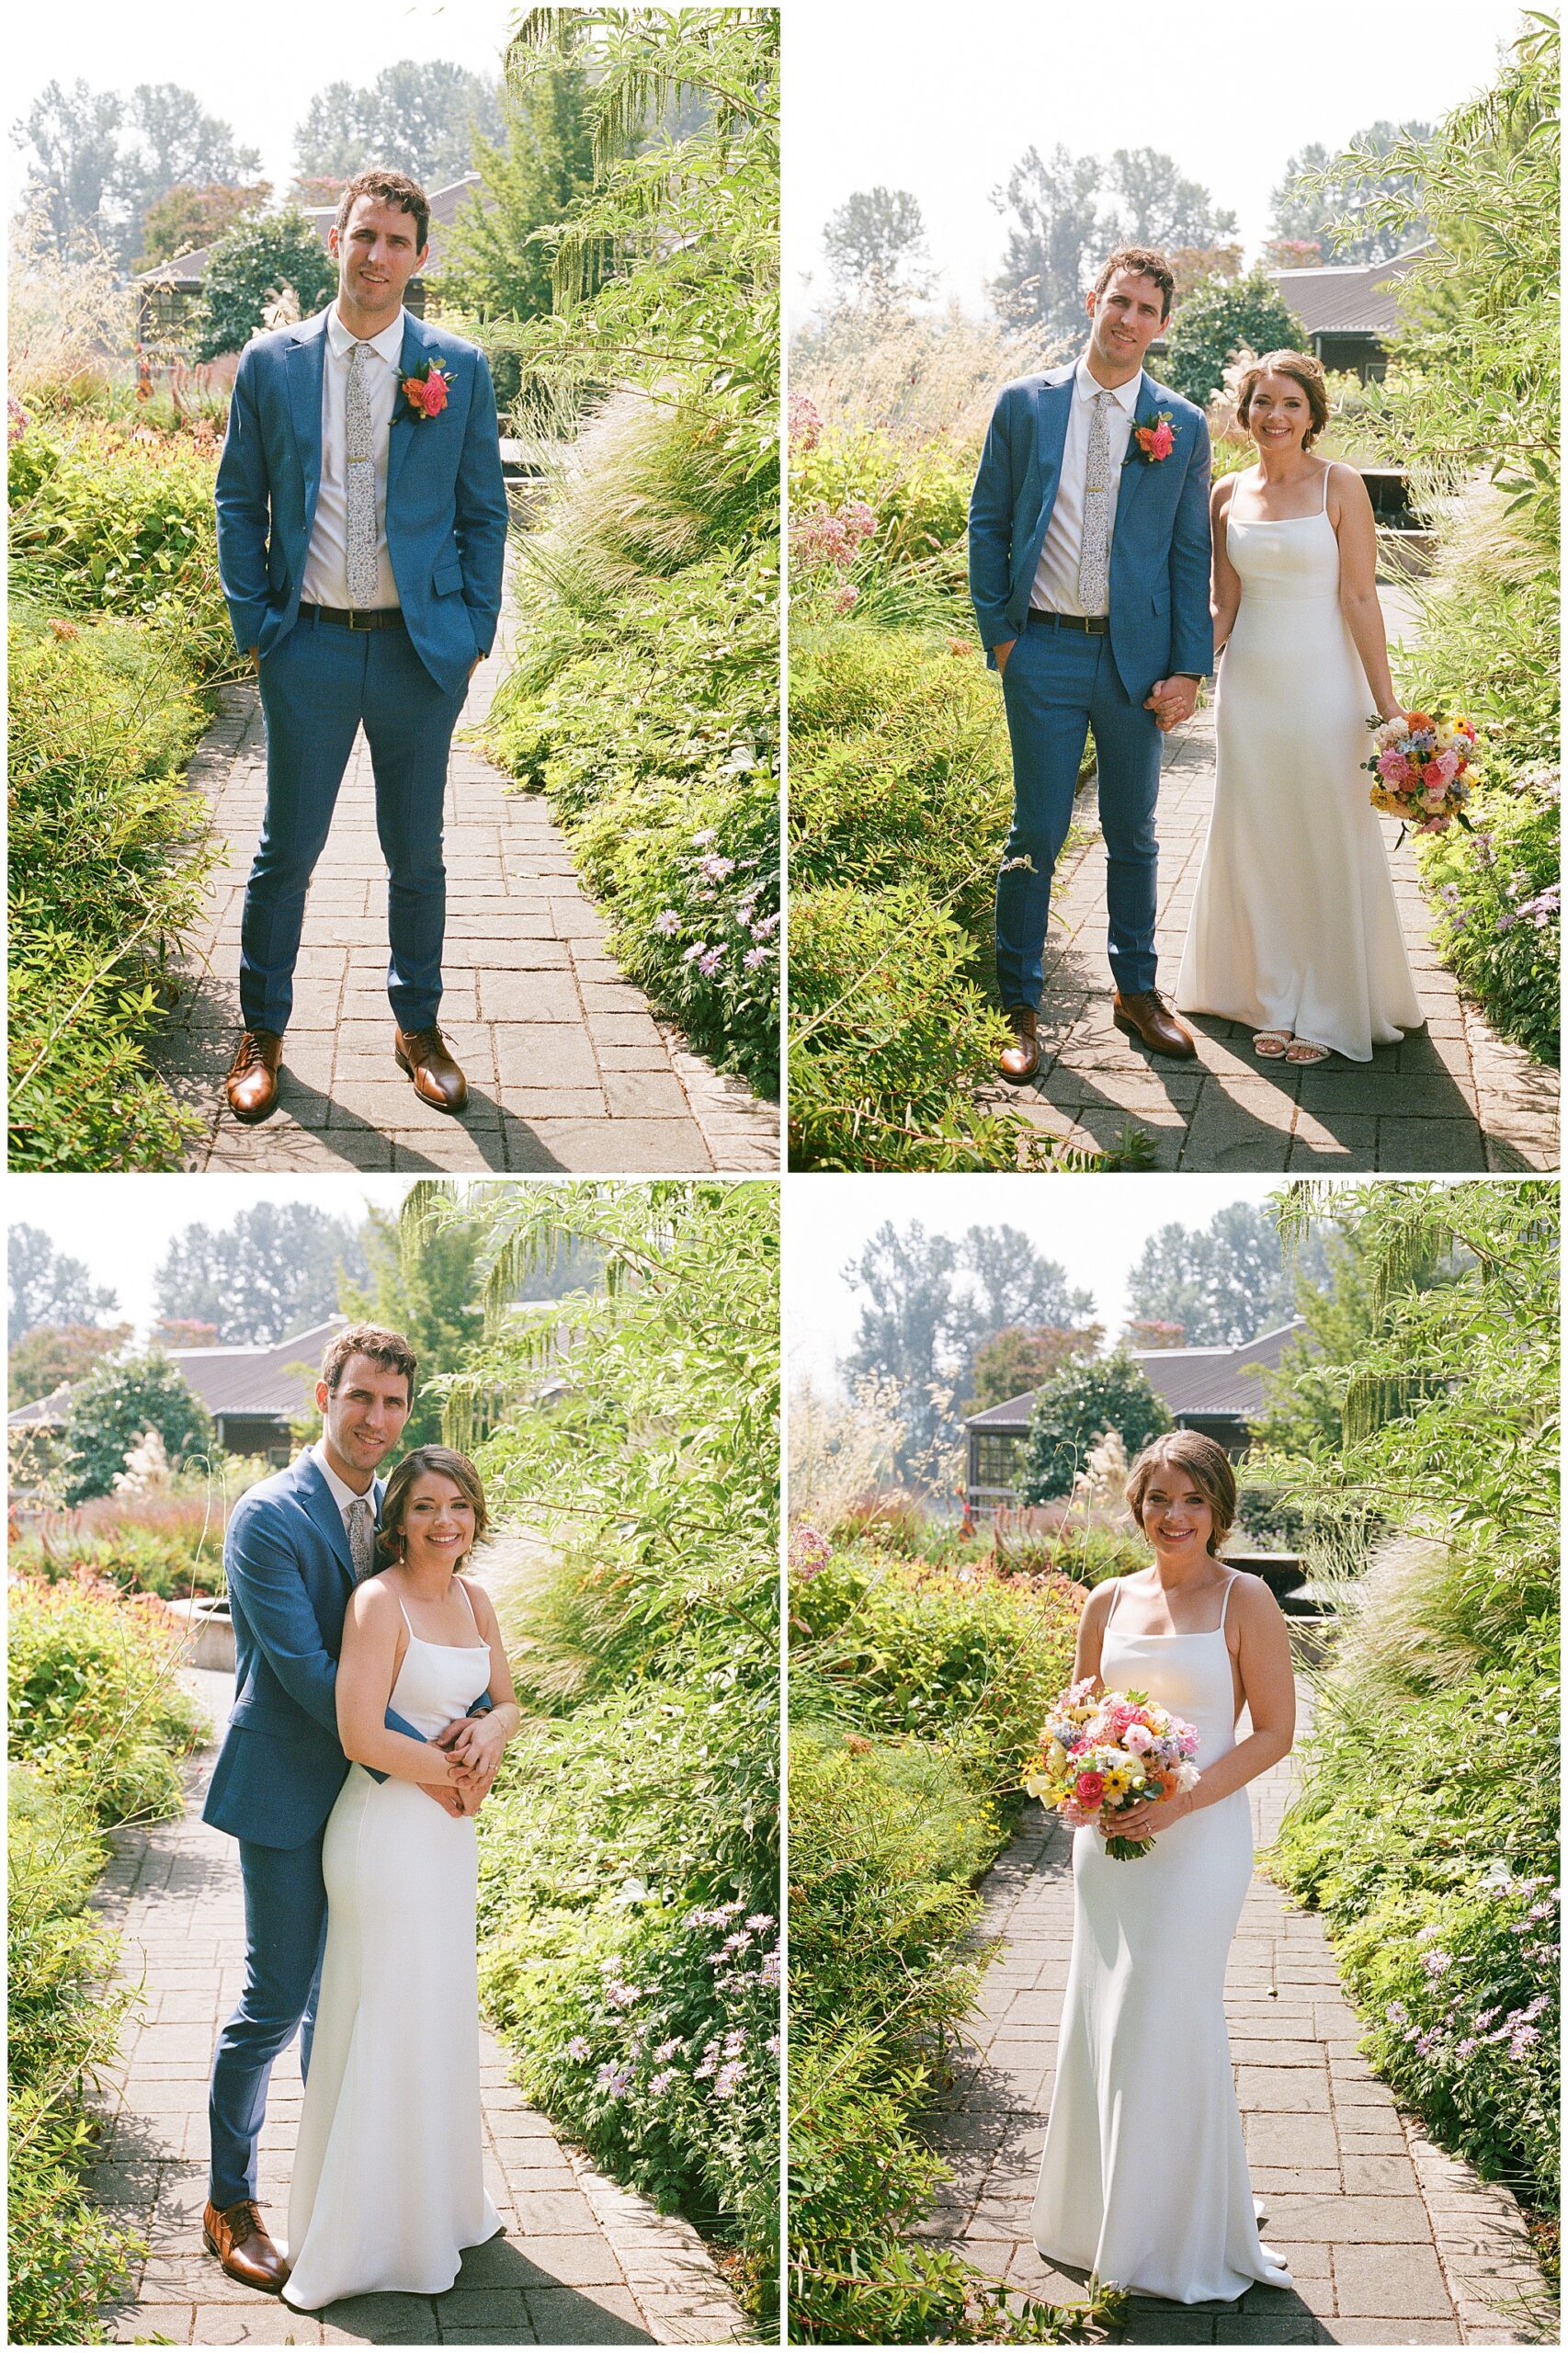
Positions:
{"x": 1156, "y": 439}
{"x": 425, "y": 389}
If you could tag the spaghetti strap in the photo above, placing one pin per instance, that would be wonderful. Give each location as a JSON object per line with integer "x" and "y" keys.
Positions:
{"x": 407, "y": 1621}
{"x": 1110, "y": 1613}
{"x": 1226, "y": 1603}
{"x": 1327, "y": 471}
{"x": 472, "y": 1610}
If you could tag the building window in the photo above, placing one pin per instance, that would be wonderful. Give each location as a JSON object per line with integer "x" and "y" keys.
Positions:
{"x": 997, "y": 1458}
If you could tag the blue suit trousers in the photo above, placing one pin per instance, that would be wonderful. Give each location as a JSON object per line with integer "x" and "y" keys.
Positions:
{"x": 285, "y": 1938}
{"x": 1057, "y": 685}
{"x": 318, "y": 685}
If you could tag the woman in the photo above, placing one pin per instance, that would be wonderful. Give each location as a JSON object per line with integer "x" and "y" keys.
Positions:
{"x": 1143, "y": 2179}
{"x": 387, "y": 2186}
{"x": 1294, "y": 929}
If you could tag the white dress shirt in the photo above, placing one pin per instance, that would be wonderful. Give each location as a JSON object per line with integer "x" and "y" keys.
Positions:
{"x": 342, "y": 1494}
{"x": 326, "y": 565}
{"x": 1056, "y": 576}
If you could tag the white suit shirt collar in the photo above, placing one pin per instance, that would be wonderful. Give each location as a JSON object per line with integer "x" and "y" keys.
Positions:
{"x": 342, "y": 1494}
{"x": 1085, "y": 386}
{"x": 388, "y": 343}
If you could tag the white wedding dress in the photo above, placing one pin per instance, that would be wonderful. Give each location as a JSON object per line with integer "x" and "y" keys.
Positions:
{"x": 388, "y": 2185}
{"x": 1294, "y": 925}
{"x": 1143, "y": 2179}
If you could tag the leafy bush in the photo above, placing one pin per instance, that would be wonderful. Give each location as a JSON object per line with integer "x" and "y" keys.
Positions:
{"x": 1268, "y": 1513}
{"x": 1498, "y": 906}
{"x": 1216, "y": 319}
{"x": 107, "y": 864}
{"x": 114, "y": 1405}
{"x": 644, "y": 702}
{"x": 1075, "y": 1406}
{"x": 94, "y": 1699}
{"x": 920, "y": 492}
{"x": 248, "y": 266}
{"x": 63, "y": 2019}
{"x": 137, "y": 1560}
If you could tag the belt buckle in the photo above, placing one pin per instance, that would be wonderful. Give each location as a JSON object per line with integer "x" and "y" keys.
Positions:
{"x": 354, "y": 622}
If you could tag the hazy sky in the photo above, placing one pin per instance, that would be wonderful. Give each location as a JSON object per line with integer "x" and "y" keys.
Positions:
{"x": 1229, "y": 94}
{"x": 256, "y": 71}
{"x": 120, "y": 1226}
{"x": 1095, "y": 1227}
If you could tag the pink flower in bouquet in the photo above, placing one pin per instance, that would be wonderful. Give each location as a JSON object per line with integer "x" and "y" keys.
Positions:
{"x": 1089, "y": 1788}
{"x": 1449, "y": 762}
{"x": 1432, "y": 774}
{"x": 1394, "y": 767}
{"x": 1138, "y": 1740}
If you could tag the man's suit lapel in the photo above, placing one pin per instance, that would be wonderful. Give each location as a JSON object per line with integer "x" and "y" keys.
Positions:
{"x": 404, "y": 424}
{"x": 317, "y": 1498}
{"x": 1053, "y": 407}
{"x": 1135, "y": 466}
{"x": 304, "y": 362}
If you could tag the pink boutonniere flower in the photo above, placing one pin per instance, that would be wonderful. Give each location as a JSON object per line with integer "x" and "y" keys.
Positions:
{"x": 425, "y": 389}
{"x": 1156, "y": 439}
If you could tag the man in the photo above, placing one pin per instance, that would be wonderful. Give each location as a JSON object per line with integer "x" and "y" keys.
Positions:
{"x": 361, "y": 528}
{"x": 1088, "y": 538}
{"x": 297, "y": 1545}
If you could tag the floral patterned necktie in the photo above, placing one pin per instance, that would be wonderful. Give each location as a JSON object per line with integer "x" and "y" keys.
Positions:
{"x": 360, "y": 451}
{"x": 1094, "y": 556}
{"x": 361, "y": 1538}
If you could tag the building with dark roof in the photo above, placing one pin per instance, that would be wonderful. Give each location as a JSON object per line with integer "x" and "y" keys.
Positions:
{"x": 252, "y": 1394}
{"x": 167, "y": 294}
{"x": 1349, "y": 310}
{"x": 1218, "y": 1390}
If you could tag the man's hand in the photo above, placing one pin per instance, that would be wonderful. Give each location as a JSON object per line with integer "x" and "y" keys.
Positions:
{"x": 450, "y": 1799}
{"x": 1173, "y": 703}
{"x": 1002, "y": 652}
{"x": 474, "y": 665}
{"x": 253, "y": 655}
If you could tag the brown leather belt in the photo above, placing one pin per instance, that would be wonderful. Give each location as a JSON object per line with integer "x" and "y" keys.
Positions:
{"x": 1089, "y": 624}
{"x": 345, "y": 617}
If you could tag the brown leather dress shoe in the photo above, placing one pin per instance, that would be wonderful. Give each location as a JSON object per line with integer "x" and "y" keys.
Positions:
{"x": 252, "y": 1084}
{"x": 238, "y": 2238}
{"x": 1020, "y": 1061}
{"x": 1147, "y": 1016}
{"x": 422, "y": 1054}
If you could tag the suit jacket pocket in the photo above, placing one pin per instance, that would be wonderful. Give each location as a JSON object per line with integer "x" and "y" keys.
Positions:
{"x": 1161, "y": 599}
{"x": 447, "y": 577}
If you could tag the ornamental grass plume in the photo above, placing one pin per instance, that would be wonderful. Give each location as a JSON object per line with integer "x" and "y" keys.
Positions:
{"x": 70, "y": 325}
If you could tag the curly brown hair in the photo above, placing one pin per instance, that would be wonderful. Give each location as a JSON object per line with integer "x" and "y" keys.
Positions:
{"x": 389, "y": 1349}
{"x": 391, "y": 1538}
{"x": 1143, "y": 261}
{"x": 1301, "y": 368}
{"x": 1206, "y": 1463}
{"x": 392, "y": 188}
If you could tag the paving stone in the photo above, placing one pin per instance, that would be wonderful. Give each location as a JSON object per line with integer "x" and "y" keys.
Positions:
{"x": 558, "y": 2317}
{"x": 1397, "y": 2282}
{"x": 520, "y": 929}
{"x": 1458, "y": 1098}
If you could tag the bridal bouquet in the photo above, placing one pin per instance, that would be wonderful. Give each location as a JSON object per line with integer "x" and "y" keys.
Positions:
{"x": 1419, "y": 763}
{"x": 1098, "y": 1757}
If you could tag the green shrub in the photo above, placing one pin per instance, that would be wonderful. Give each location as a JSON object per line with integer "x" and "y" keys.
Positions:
{"x": 1497, "y": 903}
{"x": 1211, "y": 324}
{"x": 113, "y": 1405}
{"x": 1427, "y": 1836}
{"x": 919, "y": 493}
{"x": 66, "y": 2260}
{"x": 94, "y": 1700}
{"x": 1076, "y": 1406}
{"x": 645, "y": 703}
{"x": 105, "y": 870}
{"x": 889, "y": 1034}
{"x": 137, "y": 1560}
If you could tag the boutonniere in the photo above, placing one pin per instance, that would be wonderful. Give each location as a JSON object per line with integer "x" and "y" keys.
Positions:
{"x": 1156, "y": 439}
{"x": 425, "y": 389}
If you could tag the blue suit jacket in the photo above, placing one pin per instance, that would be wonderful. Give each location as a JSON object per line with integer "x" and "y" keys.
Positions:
{"x": 290, "y": 1574}
{"x": 445, "y": 510}
{"x": 1160, "y": 621}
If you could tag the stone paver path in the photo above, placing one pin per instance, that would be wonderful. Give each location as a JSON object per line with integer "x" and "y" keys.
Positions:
{"x": 1389, "y": 2240}
{"x": 582, "y": 2261}
{"x": 567, "y": 1067}
{"x": 1451, "y": 1097}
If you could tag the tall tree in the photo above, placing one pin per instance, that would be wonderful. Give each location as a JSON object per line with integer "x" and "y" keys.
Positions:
{"x": 1318, "y": 200}
{"x": 428, "y": 1288}
{"x": 1224, "y": 1282}
{"x": 493, "y": 262}
{"x": 47, "y": 1287}
{"x": 418, "y": 117}
{"x": 175, "y": 143}
{"x": 279, "y": 1267}
{"x": 1153, "y": 205}
{"x": 875, "y": 245}
{"x": 73, "y": 176}
{"x": 1018, "y": 1359}
{"x": 1053, "y": 237}
{"x": 185, "y": 218}
{"x": 44, "y": 1359}
{"x": 932, "y": 1303}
